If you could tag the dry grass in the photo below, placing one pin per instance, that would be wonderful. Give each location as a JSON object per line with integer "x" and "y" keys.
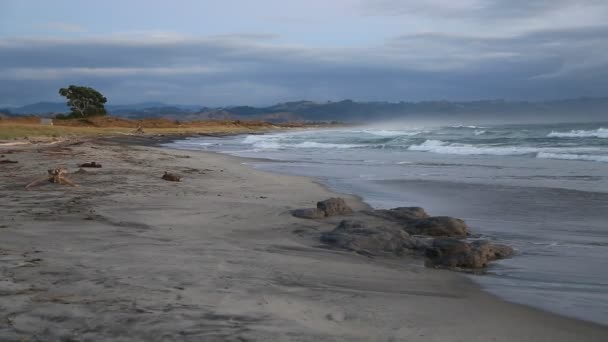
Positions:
{"x": 21, "y": 128}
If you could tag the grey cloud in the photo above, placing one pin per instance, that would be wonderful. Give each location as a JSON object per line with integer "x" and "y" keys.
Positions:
{"x": 480, "y": 10}
{"x": 256, "y": 69}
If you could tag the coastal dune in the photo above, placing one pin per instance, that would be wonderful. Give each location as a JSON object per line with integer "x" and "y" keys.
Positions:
{"x": 127, "y": 256}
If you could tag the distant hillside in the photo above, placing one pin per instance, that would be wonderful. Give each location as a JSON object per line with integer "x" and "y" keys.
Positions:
{"x": 60, "y": 107}
{"x": 595, "y": 109}
{"x": 41, "y": 108}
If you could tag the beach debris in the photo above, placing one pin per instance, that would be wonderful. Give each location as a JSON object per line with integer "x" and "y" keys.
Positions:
{"x": 368, "y": 240}
{"x": 139, "y": 129}
{"x": 334, "y": 206}
{"x": 171, "y": 177}
{"x": 458, "y": 254}
{"x": 8, "y": 161}
{"x": 91, "y": 165}
{"x": 309, "y": 213}
{"x": 56, "y": 176}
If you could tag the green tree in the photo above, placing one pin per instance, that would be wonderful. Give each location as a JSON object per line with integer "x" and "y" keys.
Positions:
{"x": 84, "y": 101}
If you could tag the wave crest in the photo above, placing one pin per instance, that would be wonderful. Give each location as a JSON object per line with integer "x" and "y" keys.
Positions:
{"x": 570, "y": 156}
{"x": 596, "y": 133}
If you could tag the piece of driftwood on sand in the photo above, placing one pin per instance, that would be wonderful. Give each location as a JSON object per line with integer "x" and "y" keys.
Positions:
{"x": 56, "y": 176}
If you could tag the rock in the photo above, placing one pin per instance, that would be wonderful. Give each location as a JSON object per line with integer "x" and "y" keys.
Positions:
{"x": 171, "y": 177}
{"x": 335, "y": 316}
{"x": 492, "y": 251}
{"x": 309, "y": 213}
{"x": 91, "y": 165}
{"x": 416, "y": 221}
{"x": 439, "y": 226}
{"x": 356, "y": 236}
{"x": 422, "y": 243}
{"x": 402, "y": 213}
{"x": 334, "y": 207}
{"x": 8, "y": 161}
{"x": 457, "y": 254}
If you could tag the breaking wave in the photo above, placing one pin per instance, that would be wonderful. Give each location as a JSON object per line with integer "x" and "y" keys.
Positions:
{"x": 596, "y": 133}
{"x": 438, "y": 146}
{"x": 570, "y": 156}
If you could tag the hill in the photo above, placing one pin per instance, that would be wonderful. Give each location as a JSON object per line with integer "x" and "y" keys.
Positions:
{"x": 585, "y": 109}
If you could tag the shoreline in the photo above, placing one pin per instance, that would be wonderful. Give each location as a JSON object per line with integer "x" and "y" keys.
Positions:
{"x": 250, "y": 161}
{"x": 219, "y": 248}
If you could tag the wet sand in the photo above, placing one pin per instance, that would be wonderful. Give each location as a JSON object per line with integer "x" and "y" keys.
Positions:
{"x": 129, "y": 257}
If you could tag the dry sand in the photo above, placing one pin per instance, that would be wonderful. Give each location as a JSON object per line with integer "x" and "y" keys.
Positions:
{"x": 130, "y": 257}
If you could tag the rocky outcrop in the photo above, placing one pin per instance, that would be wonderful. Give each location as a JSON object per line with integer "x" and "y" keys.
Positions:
{"x": 330, "y": 207}
{"x": 416, "y": 221}
{"x": 439, "y": 226}
{"x": 361, "y": 238}
{"x": 458, "y": 254}
{"x": 441, "y": 239}
{"x": 402, "y": 214}
{"x": 334, "y": 207}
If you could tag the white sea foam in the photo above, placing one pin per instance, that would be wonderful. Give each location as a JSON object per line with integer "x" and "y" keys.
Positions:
{"x": 274, "y": 142}
{"x": 438, "y": 146}
{"x": 467, "y": 126}
{"x": 596, "y": 133}
{"x": 252, "y": 139}
{"x": 571, "y": 156}
{"x": 312, "y": 144}
{"x": 389, "y": 133}
{"x": 267, "y": 145}
{"x": 479, "y": 132}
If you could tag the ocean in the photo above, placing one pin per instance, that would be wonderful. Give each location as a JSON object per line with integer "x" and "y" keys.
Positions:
{"x": 542, "y": 189}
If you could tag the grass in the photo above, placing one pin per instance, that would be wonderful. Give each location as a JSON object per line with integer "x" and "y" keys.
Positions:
{"x": 13, "y": 130}
{"x": 20, "y": 131}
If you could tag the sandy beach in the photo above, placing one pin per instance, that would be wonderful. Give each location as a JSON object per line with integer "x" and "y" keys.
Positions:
{"x": 127, "y": 256}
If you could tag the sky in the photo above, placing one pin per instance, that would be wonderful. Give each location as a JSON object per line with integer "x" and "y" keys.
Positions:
{"x": 260, "y": 52}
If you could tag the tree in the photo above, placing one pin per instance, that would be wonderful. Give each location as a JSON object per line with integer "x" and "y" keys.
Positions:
{"x": 84, "y": 101}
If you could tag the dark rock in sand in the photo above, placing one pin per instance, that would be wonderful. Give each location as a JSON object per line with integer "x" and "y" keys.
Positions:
{"x": 309, "y": 213}
{"x": 458, "y": 254}
{"x": 439, "y": 226}
{"x": 8, "y": 161}
{"x": 91, "y": 165}
{"x": 171, "y": 177}
{"x": 334, "y": 207}
{"x": 356, "y": 236}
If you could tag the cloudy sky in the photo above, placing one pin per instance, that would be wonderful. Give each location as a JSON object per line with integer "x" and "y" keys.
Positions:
{"x": 260, "y": 52}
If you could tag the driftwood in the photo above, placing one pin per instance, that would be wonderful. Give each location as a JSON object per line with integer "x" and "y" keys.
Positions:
{"x": 91, "y": 164}
{"x": 56, "y": 176}
{"x": 171, "y": 177}
{"x": 139, "y": 129}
